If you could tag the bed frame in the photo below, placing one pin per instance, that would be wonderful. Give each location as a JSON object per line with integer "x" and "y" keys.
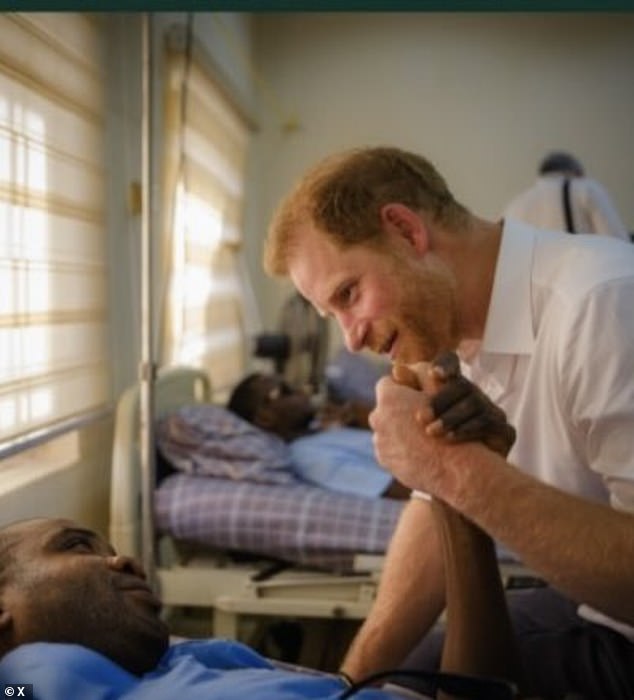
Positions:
{"x": 212, "y": 579}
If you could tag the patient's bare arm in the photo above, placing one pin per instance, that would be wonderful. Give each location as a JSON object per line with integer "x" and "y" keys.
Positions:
{"x": 479, "y": 639}
{"x": 351, "y": 414}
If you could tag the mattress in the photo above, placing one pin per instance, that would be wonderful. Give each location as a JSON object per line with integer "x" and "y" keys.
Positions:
{"x": 297, "y": 523}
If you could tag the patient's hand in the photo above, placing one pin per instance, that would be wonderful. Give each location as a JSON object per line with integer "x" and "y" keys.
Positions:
{"x": 461, "y": 411}
{"x": 351, "y": 414}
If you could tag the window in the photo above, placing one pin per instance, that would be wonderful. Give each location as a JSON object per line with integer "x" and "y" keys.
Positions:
{"x": 53, "y": 277}
{"x": 205, "y": 144}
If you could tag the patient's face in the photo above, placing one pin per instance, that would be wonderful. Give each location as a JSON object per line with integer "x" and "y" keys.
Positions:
{"x": 286, "y": 410}
{"x": 69, "y": 586}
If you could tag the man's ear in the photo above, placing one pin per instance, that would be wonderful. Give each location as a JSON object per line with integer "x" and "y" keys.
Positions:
{"x": 401, "y": 221}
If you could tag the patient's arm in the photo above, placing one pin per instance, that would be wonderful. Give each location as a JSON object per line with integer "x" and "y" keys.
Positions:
{"x": 351, "y": 414}
{"x": 479, "y": 638}
{"x": 410, "y": 593}
{"x": 409, "y": 598}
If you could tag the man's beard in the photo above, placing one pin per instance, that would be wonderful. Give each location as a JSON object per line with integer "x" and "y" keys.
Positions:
{"x": 429, "y": 318}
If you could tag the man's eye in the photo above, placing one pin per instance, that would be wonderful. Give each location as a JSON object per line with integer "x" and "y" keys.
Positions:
{"x": 78, "y": 544}
{"x": 345, "y": 294}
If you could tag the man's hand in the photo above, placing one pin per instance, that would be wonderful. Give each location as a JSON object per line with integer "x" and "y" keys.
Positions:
{"x": 419, "y": 404}
{"x": 461, "y": 411}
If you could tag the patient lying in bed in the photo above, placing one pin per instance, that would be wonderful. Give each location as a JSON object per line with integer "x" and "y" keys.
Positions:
{"x": 272, "y": 434}
{"x": 79, "y": 621}
{"x": 231, "y": 486}
{"x": 259, "y": 501}
{"x": 330, "y": 445}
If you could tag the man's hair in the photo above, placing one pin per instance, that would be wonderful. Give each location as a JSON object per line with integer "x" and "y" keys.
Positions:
{"x": 343, "y": 195}
{"x": 560, "y": 162}
{"x": 244, "y": 397}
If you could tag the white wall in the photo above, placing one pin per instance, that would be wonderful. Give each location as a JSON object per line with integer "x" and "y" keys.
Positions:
{"x": 482, "y": 95}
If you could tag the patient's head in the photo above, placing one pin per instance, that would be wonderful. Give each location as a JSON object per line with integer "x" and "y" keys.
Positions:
{"x": 62, "y": 583}
{"x": 271, "y": 404}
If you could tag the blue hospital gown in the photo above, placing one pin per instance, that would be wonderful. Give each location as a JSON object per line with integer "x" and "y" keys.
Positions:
{"x": 213, "y": 669}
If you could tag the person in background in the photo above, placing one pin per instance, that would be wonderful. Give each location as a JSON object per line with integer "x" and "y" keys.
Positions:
{"x": 543, "y": 324}
{"x": 564, "y": 199}
{"x": 331, "y": 446}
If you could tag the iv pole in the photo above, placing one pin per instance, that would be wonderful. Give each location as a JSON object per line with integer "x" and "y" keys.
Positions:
{"x": 147, "y": 367}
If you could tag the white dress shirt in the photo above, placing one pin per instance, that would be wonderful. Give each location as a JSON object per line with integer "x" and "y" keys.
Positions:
{"x": 558, "y": 356}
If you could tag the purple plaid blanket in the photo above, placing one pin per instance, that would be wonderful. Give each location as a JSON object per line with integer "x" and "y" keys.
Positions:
{"x": 298, "y": 523}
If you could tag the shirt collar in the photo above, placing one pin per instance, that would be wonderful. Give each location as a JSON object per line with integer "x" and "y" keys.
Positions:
{"x": 509, "y": 326}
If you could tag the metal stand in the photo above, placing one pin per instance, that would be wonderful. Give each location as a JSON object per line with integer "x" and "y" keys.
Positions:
{"x": 147, "y": 368}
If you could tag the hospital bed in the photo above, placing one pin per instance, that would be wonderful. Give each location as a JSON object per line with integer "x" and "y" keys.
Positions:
{"x": 240, "y": 548}
{"x": 301, "y": 551}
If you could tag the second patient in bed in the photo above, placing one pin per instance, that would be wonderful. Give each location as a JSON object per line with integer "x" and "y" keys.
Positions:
{"x": 331, "y": 446}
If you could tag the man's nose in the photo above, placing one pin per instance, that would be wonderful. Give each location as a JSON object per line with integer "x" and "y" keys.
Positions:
{"x": 353, "y": 334}
{"x": 129, "y": 565}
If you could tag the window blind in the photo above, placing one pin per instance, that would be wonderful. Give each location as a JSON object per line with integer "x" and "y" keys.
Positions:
{"x": 53, "y": 276}
{"x": 206, "y": 145}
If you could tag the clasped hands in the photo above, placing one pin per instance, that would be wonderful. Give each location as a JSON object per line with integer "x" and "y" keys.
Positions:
{"x": 424, "y": 409}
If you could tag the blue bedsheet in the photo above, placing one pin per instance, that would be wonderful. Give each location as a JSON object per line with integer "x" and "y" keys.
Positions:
{"x": 340, "y": 459}
{"x": 194, "y": 670}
